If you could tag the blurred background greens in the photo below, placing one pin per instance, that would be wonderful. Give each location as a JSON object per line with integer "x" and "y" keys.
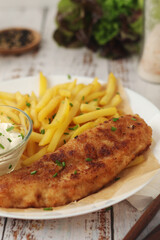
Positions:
{"x": 113, "y": 28}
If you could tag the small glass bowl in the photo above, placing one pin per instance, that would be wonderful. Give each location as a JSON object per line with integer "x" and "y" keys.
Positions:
{"x": 22, "y": 125}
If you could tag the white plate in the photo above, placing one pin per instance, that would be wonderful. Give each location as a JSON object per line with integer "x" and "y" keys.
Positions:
{"x": 139, "y": 105}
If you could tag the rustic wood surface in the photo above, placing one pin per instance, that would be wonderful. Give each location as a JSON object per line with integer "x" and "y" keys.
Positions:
{"x": 51, "y": 59}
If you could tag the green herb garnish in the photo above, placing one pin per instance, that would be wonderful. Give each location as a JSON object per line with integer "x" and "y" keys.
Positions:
{"x": 95, "y": 99}
{"x": 64, "y": 141}
{"x": 83, "y": 98}
{"x": 48, "y": 209}
{"x": 73, "y": 128}
{"x": 63, "y": 164}
{"x": 89, "y": 159}
{"x": 117, "y": 178}
{"x": 58, "y": 163}
{"x": 21, "y": 135}
{"x": 0, "y": 134}
{"x": 43, "y": 131}
{"x": 66, "y": 133}
{"x": 10, "y": 128}
{"x": 49, "y": 119}
{"x": 69, "y": 76}
{"x": 75, "y": 172}
{"x": 9, "y": 139}
{"x": 71, "y": 104}
{"x": 34, "y": 172}
{"x": 134, "y": 119}
{"x": 2, "y": 146}
{"x": 10, "y": 166}
{"x": 113, "y": 129}
{"x": 53, "y": 116}
{"x": 28, "y": 104}
{"x": 98, "y": 108}
{"x": 9, "y": 117}
{"x": 55, "y": 175}
{"x": 115, "y": 119}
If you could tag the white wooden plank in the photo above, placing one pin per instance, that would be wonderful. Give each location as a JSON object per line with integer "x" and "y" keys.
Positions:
{"x": 91, "y": 226}
{"x": 2, "y": 225}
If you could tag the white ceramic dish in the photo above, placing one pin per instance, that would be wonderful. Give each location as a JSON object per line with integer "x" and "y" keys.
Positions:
{"x": 139, "y": 105}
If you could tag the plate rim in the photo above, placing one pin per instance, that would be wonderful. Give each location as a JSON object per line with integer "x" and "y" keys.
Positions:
{"x": 101, "y": 204}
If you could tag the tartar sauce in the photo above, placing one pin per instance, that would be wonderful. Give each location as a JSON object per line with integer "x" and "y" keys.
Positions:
{"x": 8, "y": 137}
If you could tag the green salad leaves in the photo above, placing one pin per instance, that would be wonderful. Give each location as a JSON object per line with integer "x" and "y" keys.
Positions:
{"x": 111, "y": 27}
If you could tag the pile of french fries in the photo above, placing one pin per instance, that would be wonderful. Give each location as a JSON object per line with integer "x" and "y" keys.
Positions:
{"x": 63, "y": 111}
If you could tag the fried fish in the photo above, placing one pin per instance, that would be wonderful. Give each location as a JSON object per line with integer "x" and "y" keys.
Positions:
{"x": 79, "y": 168}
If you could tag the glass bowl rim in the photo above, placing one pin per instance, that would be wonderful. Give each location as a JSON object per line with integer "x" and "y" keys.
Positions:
{"x": 27, "y": 135}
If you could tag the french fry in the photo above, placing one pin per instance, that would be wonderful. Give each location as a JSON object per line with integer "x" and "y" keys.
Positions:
{"x": 61, "y": 114}
{"x": 93, "y": 115}
{"x": 59, "y": 132}
{"x": 45, "y": 99}
{"x": 110, "y": 90}
{"x": 31, "y": 148}
{"x": 94, "y": 95}
{"x": 82, "y": 129}
{"x": 35, "y": 157}
{"x": 136, "y": 161}
{"x": 88, "y": 108}
{"x": 65, "y": 92}
{"x": 49, "y": 108}
{"x": 36, "y": 137}
{"x": 8, "y": 96}
{"x": 115, "y": 101}
{"x": 42, "y": 85}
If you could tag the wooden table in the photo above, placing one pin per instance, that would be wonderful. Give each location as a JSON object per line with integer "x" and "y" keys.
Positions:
{"x": 51, "y": 59}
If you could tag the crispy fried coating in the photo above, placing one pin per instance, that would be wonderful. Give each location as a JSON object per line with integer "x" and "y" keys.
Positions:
{"x": 79, "y": 168}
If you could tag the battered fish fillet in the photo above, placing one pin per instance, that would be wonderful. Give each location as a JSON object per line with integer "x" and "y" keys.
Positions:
{"x": 79, "y": 168}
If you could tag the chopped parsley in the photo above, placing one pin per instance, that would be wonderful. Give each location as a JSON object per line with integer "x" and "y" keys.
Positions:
{"x": 9, "y": 139}
{"x": 95, "y": 99}
{"x": 113, "y": 129}
{"x": 28, "y": 104}
{"x": 64, "y": 141}
{"x": 63, "y": 164}
{"x": 43, "y": 131}
{"x": 98, "y": 108}
{"x": 134, "y": 119}
{"x": 2, "y": 146}
{"x": 86, "y": 102}
{"x": 55, "y": 175}
{"x": 21, "y": 135}
{"x": 88, "y": 159}
{"x": 83, "y": 98}
{"x": 48, "y": 209}
{"x": 66, "y": 133}
{"x": 34, "y": 172}
{"x": 10, "y": 166}
{"x": 53, "y": 116}
{"x": 69, "y": 76}
{"x": 10, "y": 128}
{"x": 71, "y": 104}
{"x": 73, "y": 128}
{"x": 58, "y": 163}
{"x": 75, "y": 172}
{"x": 115, "y": 119}
{"x": 49, "y": 119}
{"x": 0, "y": 134}
{"x": 117, "y": 178}
{"x": 9, "y": 117}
